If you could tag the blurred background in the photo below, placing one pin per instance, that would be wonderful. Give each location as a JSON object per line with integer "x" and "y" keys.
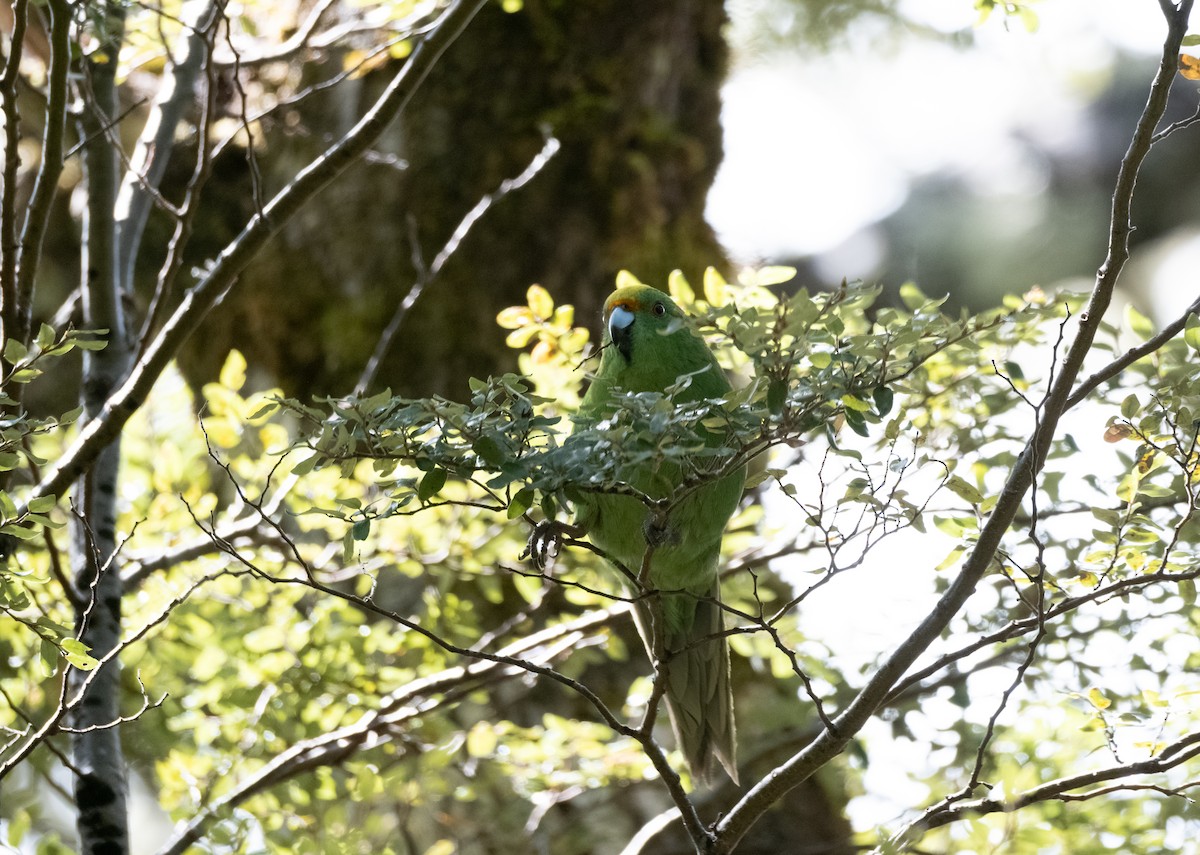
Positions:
{"x": 969, "y": 149}
{"x": 972, "y": 154}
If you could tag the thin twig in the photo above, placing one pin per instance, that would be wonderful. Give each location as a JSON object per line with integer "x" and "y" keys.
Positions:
{"x": 827, "y": 745}
{"x": 426, "y": 276}
{"x": 222, "y": 275}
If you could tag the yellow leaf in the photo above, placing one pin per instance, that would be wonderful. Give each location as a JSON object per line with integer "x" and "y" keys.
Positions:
{"x": 853, "y": 403}
{"x": 1098, "y": 700}
{"x": 481, "y": 741}
{"x": 715, "y": 287}
{"x": 223, "y": 432}
{"x": 540, "y": 302}
{"x": 679, "y": 288}
{"x": 514, "y": 317}
{"x": 520, "y": 337}
{"x": 233, "y": 372}
{"x": 1153, "y": 699}
{"x": 542, "y": 353}
{"x": 625, "y": 279}
{"x": 1189, "y": 66}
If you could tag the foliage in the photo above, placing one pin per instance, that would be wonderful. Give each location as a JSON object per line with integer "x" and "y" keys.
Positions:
{"x": 331, "y": 643}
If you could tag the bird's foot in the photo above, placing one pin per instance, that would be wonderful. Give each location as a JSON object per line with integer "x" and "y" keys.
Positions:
{"x": 547, "y": 539}
{"x": 659, "y": 532}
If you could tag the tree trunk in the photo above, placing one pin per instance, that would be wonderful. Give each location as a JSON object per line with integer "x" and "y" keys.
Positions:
{"x": 100, "y": 783}
{"x": 631, "y": 90}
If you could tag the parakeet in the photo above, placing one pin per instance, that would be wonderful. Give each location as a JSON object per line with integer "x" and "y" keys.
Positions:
{"x": 647, "y": 348}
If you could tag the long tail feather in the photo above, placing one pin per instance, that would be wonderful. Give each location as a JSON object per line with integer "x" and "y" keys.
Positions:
{"x": 699, "y": 694}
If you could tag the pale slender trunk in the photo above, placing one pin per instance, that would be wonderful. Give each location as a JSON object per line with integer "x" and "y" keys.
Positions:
{"x": 100, "y": 783}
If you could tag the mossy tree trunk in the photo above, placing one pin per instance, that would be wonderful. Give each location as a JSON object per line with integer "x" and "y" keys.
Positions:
{"x": 632, "y": 92}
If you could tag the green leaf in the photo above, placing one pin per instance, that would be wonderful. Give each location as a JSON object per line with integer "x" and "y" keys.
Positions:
{"x": 49, "y": 655}
{"x": 431, "y": 484}
{"x": 361, "y": 530}
{"x": 716, "y": 289}
{"x": 883, "y": 400}
{"x": 489, "y": 450}
{"x": 14, "y": 351}
{"x": 263, "y": 411}
{"x": 912, "y": 297}
{"x": 1191, "y": 333}
{"x": 41, "y": 504}
{"x": 776, "y": 395}
{"x": 756, "y": 478}
{"x": 773, "y": 274}
{"x": 963, "y": 489}
{"x": 520, "y": 502}
{"x": 1130, "y": 406}
{"x": 950, "y": 560}
{"x": 857, "y": 423}
{"x": 481, "y": 741}
{"x": 77, "y": 654}
{"x": 18, "y": 826}
{"x": 45, "y": 337}
{"x": 1139, "y": 323}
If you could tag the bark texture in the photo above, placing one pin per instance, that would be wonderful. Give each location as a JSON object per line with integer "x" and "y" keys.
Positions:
{"x": 631, "y": 90}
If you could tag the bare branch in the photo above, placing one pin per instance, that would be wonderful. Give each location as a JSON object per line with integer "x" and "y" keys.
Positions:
{"x": 426, "y": 276}
{"x": 1174, "y": 755}
{"x": 396, "y": 709}
{"x": 1131, "y": 356}
{"x": 223, "y": 273}
{"x": 38, "y": 213}
{"x": 154, "y": 146}
{"x": 295, "y": 43}
{"x": 12, "y": 165}
{"x": 829, "y": 744}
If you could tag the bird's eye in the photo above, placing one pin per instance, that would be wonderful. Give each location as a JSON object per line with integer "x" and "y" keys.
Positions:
{"x": 660, "y": 309}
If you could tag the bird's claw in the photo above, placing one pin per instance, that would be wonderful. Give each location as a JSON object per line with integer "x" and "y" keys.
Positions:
{"x": 546, "y": 541}
{"x": 658, "y": 531}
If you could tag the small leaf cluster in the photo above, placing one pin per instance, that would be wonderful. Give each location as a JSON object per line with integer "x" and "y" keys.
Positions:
{"x": 816, "y": 361}
{"x": 26, "y": 444}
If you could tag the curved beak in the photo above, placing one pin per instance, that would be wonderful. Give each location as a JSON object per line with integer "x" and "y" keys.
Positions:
{"x": 620, "y": 330}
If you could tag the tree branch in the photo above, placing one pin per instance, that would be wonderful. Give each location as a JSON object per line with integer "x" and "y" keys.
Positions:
{"x": 426, "y": 276}
{"x": 38, "y": 213}
{"x": 223, "y": 273}
{"x": 1175, "y": 754}
{"x": 12, "y": 165}
{"x": 828, "y": 743}
{"x": 154, "y": 146}
{"x": 402, "y": 705}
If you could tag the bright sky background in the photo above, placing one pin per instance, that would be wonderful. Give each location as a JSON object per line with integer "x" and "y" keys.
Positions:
{"x": 818, "y": 147}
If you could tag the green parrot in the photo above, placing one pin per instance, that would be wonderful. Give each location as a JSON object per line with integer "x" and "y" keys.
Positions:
{"x": 647, "y": 348}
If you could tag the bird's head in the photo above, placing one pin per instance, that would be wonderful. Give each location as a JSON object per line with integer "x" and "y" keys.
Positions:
{"x": 635, "y": 313}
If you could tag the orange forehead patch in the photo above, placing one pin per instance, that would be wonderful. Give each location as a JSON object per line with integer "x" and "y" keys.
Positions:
{"x": 626, "y": 298}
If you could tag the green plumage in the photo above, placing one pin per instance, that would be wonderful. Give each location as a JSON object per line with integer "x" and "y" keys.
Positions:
{"x": 647, "y": 348}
